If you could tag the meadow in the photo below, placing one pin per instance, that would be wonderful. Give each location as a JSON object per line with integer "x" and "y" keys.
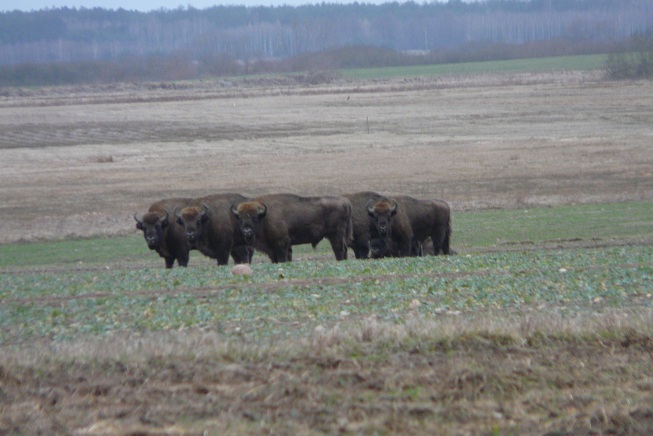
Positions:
{"x": 542, "y": 321}
{"x": 534, "y": 65}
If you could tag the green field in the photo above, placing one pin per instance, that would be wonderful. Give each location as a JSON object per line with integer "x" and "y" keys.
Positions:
{"x": 93, "y": 286}
{"x": 533, "y": 65}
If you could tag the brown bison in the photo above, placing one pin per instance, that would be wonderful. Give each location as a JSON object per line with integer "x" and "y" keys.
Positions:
{"x": 361, "y": 223}
{"x": 274, "y": 223}
{"x": 430, "y": 221}
{"x": 210, "y": 227}
{"x": 164, "y": 235}
{"x": 390, "y": 223}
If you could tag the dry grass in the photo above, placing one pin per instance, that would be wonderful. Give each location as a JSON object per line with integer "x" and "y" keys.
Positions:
{"x": 483, "y": 374}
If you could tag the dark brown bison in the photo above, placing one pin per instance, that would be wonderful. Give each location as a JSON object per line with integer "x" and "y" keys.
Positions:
{"x": 430, "y": 221}
{"x": 211, "y": 228}
{"x": 163, "y": 234}
{"x": 390, "y": 223}
{"x": 360, "y": 242}
{"x": 274, "y": 223}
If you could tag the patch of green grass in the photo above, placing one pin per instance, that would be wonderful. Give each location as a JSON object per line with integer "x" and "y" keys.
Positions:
{"x": 73, "y": 251}
{"x": 587, "y": 222}
{"x": 557, "y": 63}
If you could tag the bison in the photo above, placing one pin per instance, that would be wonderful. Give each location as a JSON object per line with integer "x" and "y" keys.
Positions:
{"x": 164, "y": 235}
{"x": 274, "y": 223}
{"x": 211, "y": 228}
{"x": 430, "y": 221}
{"x": 390, "y": 222}
{"x": 360, "y": 242}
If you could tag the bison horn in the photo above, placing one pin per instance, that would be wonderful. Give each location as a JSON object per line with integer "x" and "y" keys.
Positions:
{"x": 394, "y": 206}
{"x": 262, "y": 211}
{"x": 234, "y": 210}
{"x": 136, "y": 218}
{"x": 165, "y": 217}
{"x": 177, "y": 212}
{"x": 205, "y": 209}
{"x": 370, "y": 207}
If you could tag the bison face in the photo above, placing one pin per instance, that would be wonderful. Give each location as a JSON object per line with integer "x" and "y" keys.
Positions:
{"x": 382, "y": 213}
{"x": 152, "y": 224}
{"x": 193, "y": 220}
{"x": 249, "y": 216}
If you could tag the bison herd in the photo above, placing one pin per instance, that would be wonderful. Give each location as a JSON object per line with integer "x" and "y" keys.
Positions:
{"x": 223, "y": 225}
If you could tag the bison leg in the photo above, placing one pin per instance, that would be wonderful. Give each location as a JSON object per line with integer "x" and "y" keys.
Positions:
{"x": 441, "y": 242}
{"x": 182, "y": 259}
{"x": 222, "y": 258}
{"x": 404, "y": 249}
{"x": 281, "y": 254}
{"x": 339, "y": 248}
{"x": 170, "y": 261}
{"x": 361, "y": 249}
{"x": 446, "y": 249}
{"x": 241, "y": 254}
{"x": 417, "y": 248}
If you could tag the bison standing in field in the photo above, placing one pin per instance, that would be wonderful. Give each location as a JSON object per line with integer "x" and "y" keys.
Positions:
{"x": 390, "y": 224}
{"x": 360, "y": 242}
{"x": 274, "y": 223}
{"x": 164, "y": 235}
{"x": 210, "y": 227}
{"x": 430, "y": 221}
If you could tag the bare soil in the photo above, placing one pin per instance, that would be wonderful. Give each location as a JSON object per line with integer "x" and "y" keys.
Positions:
{"x": 78, "y": 162}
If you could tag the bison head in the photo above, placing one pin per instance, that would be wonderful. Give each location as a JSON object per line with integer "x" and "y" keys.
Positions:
{"x": 382, "y": 212}
{"x": 249, "y": 215}
{"x": 152, "y": 224}
{"x": 193, "y": 219}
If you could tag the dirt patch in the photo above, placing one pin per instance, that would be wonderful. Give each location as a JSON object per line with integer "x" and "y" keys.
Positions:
{"x": 79, "y": 162}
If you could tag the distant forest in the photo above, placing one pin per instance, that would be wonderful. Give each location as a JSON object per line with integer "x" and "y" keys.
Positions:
{"x": 220, "y": 40}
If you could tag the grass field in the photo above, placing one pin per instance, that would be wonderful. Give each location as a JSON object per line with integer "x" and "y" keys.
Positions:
{"x": 534, "y": 65}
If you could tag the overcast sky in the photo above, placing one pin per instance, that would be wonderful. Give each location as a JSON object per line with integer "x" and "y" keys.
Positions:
{"x": 149, "y": 5}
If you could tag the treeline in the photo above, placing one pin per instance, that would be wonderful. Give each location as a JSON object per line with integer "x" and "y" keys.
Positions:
{"x": 182, "y": 67}
{"x": 68, "y": 45}
{"x": 73, "y": 35}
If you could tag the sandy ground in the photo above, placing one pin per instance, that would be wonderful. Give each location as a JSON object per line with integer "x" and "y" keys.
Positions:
{"x": 79, "y": 161}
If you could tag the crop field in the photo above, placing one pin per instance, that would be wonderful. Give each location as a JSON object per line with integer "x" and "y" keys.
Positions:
{"x": 541, "y": 322}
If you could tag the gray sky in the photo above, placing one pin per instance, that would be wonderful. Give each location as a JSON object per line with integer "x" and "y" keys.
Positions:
{"x": 148, "y": 5}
